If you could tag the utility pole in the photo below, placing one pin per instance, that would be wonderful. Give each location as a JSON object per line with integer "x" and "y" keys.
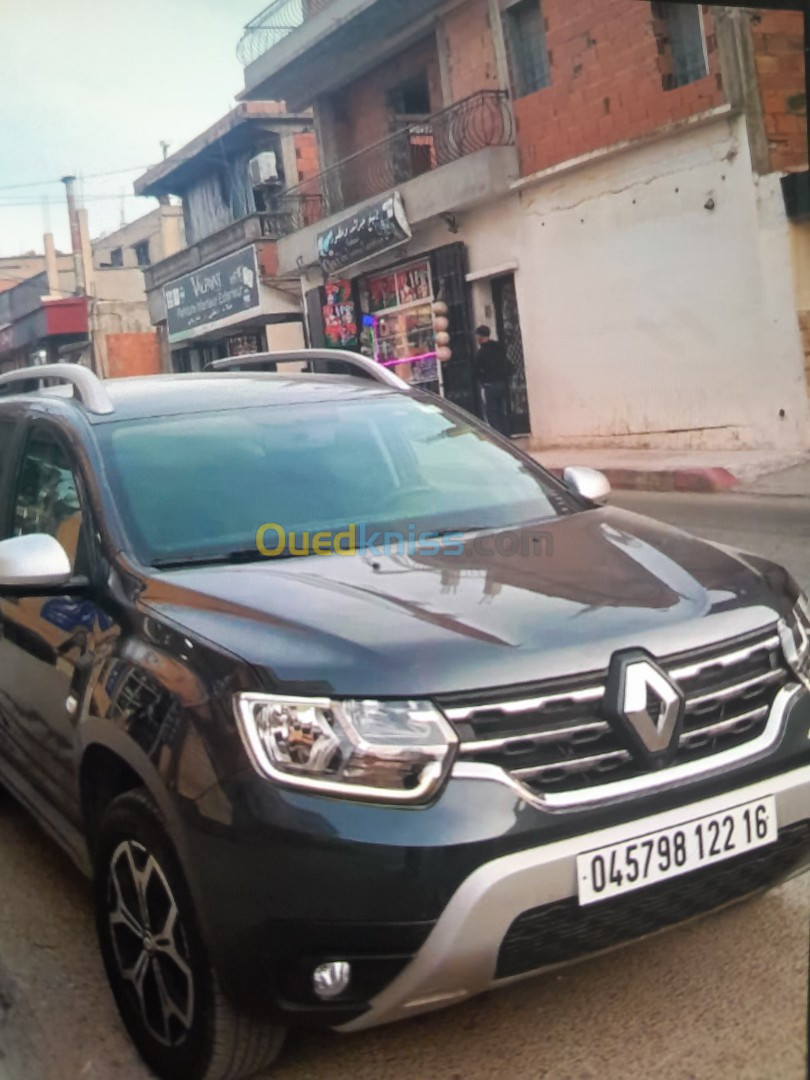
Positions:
{"x": 83, "y": 266}
{"x": 75, "y": 232}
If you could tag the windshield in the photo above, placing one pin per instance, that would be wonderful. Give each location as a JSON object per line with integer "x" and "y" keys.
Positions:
{"x": 202, "y": 486}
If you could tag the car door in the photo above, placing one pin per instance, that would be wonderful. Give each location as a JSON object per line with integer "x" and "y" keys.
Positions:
{"x": 10, "y": 433}
{"x": 48, "y": 643}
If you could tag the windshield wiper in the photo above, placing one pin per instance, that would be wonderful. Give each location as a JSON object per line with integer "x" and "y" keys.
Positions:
{"x": 227, "y": 558}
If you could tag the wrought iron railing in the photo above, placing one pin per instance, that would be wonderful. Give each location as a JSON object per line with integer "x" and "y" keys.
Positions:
{"x": 270, "y": 27}
{"x": 475, "y": 123}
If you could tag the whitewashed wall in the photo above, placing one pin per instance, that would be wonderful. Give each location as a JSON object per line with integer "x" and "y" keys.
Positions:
{"x": 649, "y": 320}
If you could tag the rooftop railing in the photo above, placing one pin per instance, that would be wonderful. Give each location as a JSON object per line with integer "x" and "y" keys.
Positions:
{"x": 270, "y": 27}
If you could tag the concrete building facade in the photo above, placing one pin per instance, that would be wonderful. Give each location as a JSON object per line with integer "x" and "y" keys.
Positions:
{"x": 607, "y": 185}
{"x": 221, "y": 293}
{"x": 100, "y": 318}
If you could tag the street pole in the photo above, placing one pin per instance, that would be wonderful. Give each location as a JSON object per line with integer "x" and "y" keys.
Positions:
{"x": 75, "y": 232}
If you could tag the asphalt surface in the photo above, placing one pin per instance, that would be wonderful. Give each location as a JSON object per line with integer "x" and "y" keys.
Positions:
{"x": 725, "y": 997}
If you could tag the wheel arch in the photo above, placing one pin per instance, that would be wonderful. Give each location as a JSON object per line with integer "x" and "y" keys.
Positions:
{"x": 109, "y": 768}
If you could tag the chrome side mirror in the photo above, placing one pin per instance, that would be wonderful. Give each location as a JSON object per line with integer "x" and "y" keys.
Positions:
{"x": 589, "y": 483}
{"x": 37, "y": 560}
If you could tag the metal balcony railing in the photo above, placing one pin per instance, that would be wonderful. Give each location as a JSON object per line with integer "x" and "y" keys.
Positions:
{"x": 254, "y": 227}
{"x": 475, "y": 123}
{"x": 270, "y": 27}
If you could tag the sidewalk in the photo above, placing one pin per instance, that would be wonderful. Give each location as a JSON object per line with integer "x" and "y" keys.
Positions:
{"x": 687, "y": 470}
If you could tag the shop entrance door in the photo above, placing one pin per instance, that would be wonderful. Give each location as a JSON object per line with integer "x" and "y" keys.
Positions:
{"x": 507, "y": 322}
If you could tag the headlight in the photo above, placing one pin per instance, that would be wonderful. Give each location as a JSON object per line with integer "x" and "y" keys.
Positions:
{"x": 795, "y": 633}
{"x": 386, "y": 751}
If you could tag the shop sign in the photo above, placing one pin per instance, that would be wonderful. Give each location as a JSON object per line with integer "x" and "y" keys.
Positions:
{"x": 224, "y": 288}
{"x": 377, "y": 227}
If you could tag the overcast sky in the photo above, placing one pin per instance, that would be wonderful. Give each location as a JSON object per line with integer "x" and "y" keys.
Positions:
{"x": 89, "y": 86}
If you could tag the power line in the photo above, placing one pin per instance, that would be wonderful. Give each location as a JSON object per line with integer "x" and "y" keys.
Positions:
{"x": 12, "y": 202}
{"x": 87, "y": 176}
{"x": 173, "y": 159}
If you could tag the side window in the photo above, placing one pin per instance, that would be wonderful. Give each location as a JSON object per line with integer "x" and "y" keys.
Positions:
{"x": 681, "y": 44}
{"x": 47, "y": 495}
{"x": 529, "y": 59}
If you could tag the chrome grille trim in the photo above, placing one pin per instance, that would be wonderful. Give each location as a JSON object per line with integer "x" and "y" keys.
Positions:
{"x": 710, "y": 730}
{"x": 565, "y": 726}
{"x": 737, "y": 688}
{"x": 510, "y": 708}
{"x": 617, "y": 757}
{"x": 596, "y": 693}
{"x": 601, "y": 727}
{"x": 620, "y": 790}
{"x": 690, "y": 671}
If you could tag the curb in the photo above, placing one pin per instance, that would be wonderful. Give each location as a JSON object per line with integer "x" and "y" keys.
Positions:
{"x": 702, "y": 481}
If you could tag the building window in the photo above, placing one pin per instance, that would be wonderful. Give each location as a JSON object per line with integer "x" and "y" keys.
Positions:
{"x": 411, "y": 98}
{"x": 142, "y": 253}
{"x": 117, "y": 257}
{"x": 681, "y": 44}
{"x": 529, "y": 59}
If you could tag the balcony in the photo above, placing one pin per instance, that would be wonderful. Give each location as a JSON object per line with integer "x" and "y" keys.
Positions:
{"x": 292, "y": 55}
{"x": 474, "y": 124}
{"x": 264, "y": 226}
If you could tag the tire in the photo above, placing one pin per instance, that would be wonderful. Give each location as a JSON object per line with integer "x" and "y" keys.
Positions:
{"x": 156, "y": 960}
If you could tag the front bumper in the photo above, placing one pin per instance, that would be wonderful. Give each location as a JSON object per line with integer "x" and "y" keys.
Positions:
{"x": 460, "y": 957}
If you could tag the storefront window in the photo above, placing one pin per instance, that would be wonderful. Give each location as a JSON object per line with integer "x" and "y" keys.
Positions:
{"x": 245, "y": 344}
{"x": 340, "y": 317}
{"x": 399, "y": 328}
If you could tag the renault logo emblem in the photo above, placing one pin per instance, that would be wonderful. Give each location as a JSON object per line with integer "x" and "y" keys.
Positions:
{"x": 644, "y": 705}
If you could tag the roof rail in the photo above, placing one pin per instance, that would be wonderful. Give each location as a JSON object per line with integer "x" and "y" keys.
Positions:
{"x": 87, "y": 386}
{"x": 370, "y": 368}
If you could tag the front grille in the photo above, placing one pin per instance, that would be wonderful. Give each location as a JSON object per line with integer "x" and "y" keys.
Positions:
{"x": 565, "y": 931}
{"x": 554, "y": 738}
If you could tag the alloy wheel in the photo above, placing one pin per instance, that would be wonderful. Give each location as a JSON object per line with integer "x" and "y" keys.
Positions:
{"x": 149, "y": 943}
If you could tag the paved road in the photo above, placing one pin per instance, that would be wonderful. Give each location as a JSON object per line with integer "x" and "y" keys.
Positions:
{"x": 722, "y": 998}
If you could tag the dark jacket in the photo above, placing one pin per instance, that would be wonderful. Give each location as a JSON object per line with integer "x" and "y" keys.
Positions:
{"x": 491, "y": 363}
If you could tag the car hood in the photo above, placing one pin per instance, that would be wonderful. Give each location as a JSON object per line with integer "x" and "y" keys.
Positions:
{"x": 573, "y": 592}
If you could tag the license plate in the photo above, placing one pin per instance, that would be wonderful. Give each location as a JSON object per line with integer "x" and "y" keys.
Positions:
{"x": 667, "y": 853}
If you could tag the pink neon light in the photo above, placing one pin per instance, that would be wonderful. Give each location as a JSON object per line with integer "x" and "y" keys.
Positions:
{"x": 408, "y": 360}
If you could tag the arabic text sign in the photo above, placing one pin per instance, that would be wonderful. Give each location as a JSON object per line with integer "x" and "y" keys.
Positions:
{"x": 224, "y": 288}
{"x": 377, "y": 227}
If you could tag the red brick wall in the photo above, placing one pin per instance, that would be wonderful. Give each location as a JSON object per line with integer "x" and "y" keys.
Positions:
{"x": 267, "y": 253}
{"x": 132, "y": 354}
{"x": 606, "y": 82}
{"x": 306, "y": 155}
{"x": 471, "y": 62}
{"x": 779, "y": 51}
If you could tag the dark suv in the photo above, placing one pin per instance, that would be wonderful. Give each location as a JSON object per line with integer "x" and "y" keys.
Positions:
{"x": 353, "y": 711}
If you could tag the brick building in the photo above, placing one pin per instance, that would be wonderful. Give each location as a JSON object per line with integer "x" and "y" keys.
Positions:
{"x": 222, "y": 293}
{"x": 600, "y": 181}
{"x": 47, "y": 313}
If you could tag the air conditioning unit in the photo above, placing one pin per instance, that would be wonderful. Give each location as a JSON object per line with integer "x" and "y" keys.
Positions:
{"x": 263, "y": 170}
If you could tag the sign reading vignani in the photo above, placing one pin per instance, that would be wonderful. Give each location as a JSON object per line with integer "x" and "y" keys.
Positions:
{"x": 227, "y": 287}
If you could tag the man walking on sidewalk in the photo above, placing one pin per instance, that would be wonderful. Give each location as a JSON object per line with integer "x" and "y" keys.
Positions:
{"x": 492, "y": 373}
